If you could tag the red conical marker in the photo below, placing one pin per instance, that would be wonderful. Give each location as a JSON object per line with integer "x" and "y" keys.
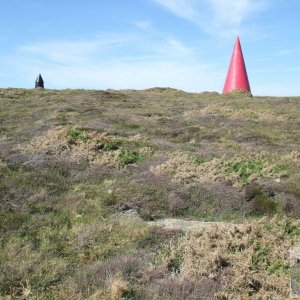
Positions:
{"x": 237, "y": 78}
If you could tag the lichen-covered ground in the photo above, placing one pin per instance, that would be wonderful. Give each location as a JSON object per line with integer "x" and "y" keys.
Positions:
{"x": 73, "y": 161}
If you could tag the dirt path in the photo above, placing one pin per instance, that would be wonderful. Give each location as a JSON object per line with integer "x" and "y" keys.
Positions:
{"x": 187, "y": 224}
{"x": 179, "y": 224}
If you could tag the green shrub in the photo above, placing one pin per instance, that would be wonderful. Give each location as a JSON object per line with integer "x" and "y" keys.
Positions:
{"x": 112, "y": 146}
{"x": 263, "y": 204}
{"x": 290, "y": 229}
{"x": 128, "y": 157}
{"x": 77, "y": 134}
{"x": 260, "y": 255}
{"x": 110, "y": 199}
{"x": 201, "y": 160}
{"x": 173, "y": 265}
{"x": 278, "y": 267}
{"x": 108, "y": 146}
{"x": 246, "y": 168}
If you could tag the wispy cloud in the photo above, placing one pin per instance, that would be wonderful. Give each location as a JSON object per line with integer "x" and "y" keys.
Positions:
{"x": 99, "y": 63}
{"x": 73, "y": 51}
{"x": 234, "y": 13}
{"x": 138, "y": 74}
{"x": 216, "y": 16}
{"x": 182, "y": 8}
{"x": 106, "y": 49}
{"x": 172, "y": 48}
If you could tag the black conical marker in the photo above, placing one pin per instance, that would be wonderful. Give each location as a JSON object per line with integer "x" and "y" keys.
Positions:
{"x": 39, "y": 83}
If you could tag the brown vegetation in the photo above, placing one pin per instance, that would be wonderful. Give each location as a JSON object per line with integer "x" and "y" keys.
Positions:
{"x": 73, "y": 162}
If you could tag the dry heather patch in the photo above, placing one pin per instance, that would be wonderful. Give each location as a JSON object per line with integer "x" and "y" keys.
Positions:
{"x": 91, "y": 146}
{"x": 118, "y": 287}
{"x": 240, "y": 170}
{"x": 235, "y": 113}
{"x": 256, "y": 254}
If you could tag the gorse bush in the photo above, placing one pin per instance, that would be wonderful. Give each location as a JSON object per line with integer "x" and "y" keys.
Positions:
{"x": 91, "y": 146}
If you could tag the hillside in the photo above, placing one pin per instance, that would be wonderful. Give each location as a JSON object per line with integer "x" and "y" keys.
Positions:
{"x": 83, "y": 173}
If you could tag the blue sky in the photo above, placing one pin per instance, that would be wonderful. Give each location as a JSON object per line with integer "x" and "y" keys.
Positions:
{"x": 185, "y": 44}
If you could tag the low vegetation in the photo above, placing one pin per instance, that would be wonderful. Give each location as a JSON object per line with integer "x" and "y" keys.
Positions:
{"x": 82, "y": 173}
{"x": 251, "y": 259}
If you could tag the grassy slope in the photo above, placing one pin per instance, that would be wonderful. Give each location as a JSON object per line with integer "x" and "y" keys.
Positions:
{"x": 71, "y": 160}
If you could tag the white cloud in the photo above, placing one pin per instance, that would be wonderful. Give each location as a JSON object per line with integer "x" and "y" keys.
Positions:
{"x": 162, "y": 61}
{"x": 181, "y": 8}
{"x": 101, "y": 48}
{"x": 233, "y": 13}
{"x": 73, "y": 51}
{"x": 216, "y": 16}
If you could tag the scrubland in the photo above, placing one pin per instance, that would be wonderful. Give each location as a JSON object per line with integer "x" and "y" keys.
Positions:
{"x": 73, "y": 163}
